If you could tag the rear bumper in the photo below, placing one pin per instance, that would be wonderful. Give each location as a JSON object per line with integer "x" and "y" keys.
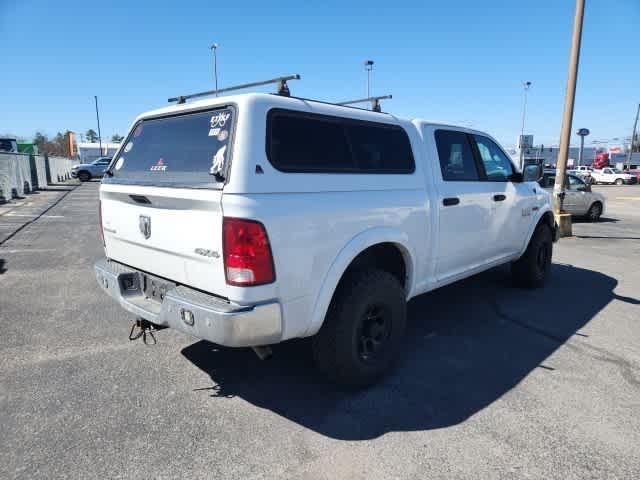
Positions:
{"x": 213, "y": 319}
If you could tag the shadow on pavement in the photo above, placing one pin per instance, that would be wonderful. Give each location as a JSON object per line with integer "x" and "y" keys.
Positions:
{"x": 600, "y": 220}
{"x": 2, "y": 266}
{"x": 467, "y": 345}
{"x": 608, "y": 237}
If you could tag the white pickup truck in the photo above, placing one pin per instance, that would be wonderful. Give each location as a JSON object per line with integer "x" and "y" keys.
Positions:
{"x": 612, "y": 176}
{"x": 251, "y": 219}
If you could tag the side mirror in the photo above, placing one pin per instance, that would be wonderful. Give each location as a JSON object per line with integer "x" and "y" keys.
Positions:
{"x": 531, "y": 173}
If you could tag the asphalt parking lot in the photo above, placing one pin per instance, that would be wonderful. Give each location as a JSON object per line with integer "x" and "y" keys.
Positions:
{"x": 495, "y": 382}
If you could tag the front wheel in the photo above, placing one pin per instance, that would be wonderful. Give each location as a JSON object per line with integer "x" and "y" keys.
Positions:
{"x": 84, "y": 176}
{"x": 363, "y": 329}
{"x": 619, "y": 181}
{"x": 531, "y": 270}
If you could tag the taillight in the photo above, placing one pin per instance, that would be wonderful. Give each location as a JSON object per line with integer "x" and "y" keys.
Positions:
{"x": 100, "y": 221}
{"x": 247, "y": 254}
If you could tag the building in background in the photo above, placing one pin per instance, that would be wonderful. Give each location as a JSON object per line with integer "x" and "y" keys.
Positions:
{"x": 88, "y": 152}
{"x": 549, "y": 155}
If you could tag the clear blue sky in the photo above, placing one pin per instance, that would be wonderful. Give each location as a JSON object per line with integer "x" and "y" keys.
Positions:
{"x": 461, "y": 61}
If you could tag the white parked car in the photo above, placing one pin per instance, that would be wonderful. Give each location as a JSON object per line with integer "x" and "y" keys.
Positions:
{"x": 613, "y": 176}
{"x": 251, "y": 219}
{"x": 579, "y": 200}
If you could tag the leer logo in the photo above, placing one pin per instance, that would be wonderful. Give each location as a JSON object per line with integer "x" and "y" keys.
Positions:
{"x": 159, "y": 166}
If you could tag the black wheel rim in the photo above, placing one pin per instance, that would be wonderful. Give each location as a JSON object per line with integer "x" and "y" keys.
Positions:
{"x": 373, "y": 334}
{"x": 595, "y": 212}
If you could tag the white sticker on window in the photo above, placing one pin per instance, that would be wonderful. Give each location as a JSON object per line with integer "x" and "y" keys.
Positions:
{"x": 128, "y": 147}
{"x": 222, "y": 136}
{"x": 220, "y": 119}
{"x": 119, "y": 163}
{"x": 213, "y": 132}
{"x": 217, "y": 164}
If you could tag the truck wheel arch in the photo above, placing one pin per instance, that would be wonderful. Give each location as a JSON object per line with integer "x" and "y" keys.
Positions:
{"x": 352, "y": 253}
{"x": 545, "y": 217}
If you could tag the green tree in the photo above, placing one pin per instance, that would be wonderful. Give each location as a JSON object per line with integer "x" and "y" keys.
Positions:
{"x": 91, "y": 135}
{"x": 40, "y": 139}
{"x": 117, "y": 138}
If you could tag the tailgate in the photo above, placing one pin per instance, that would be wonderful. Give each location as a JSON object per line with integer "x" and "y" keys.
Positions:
{"x": 174, "y": 233}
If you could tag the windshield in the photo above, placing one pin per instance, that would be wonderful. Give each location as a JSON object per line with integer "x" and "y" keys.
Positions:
{"x": 186, "y": 150}
{"x": 616, "y": 170}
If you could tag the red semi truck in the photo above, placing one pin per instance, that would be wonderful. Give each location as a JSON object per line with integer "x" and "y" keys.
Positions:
{"x": 601, "y": 160}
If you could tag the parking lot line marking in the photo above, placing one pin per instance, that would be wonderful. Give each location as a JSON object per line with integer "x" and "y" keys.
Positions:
{"x": 627, "y": 198}
{"x": 33, "y": 216}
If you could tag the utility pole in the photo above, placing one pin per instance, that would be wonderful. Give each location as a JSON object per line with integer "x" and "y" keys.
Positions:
{"x": 633, "y": 137}
{"x": 368, "y": 66}
{"x": 563, "y": 219}
{"x": 527, "y": 86}
{"x": 98, "y": 117}
{"x": 214, "y": 47}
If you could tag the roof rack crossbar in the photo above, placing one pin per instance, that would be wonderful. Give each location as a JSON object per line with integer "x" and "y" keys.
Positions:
{"x": 375, "y": 102}
{"x": 283, "y": 88}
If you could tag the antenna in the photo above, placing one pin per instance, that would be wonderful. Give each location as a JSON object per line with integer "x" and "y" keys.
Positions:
{"x": 375, "y": 102}
{"x": 283, "y": 88}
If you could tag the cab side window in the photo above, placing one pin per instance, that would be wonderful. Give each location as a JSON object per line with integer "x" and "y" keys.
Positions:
{"x": 456, "y": 156}
{"x": 497, "y": 165}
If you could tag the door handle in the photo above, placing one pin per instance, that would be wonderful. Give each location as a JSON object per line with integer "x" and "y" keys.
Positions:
{"x": 447, "y": 202}
{"x": 499, "y": 198}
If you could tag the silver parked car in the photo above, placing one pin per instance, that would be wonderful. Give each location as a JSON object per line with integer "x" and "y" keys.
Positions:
{"x": 86, "y": 171}
{"x": 579, "y": 200}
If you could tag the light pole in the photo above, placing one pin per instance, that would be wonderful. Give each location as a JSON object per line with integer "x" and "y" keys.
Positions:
{"x": 214, "y": 47}
{"x": 368, "y": 66}
{"x": 526, "y": 86}
{"x": 633, "y": 137}
{"x": 98, "y": 117}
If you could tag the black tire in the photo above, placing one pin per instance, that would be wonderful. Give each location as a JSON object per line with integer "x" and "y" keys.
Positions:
{"x": 619, "y": 181}
{"x": 84, "y": 176}
{"x": 531, "y": 270}
{"x": 363, "y": 329}
{"x": 593, "y": 215}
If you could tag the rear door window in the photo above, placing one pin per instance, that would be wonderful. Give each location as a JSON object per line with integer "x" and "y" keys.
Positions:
{"x": 189, "y": 150}
{"x": 457, "y": 162}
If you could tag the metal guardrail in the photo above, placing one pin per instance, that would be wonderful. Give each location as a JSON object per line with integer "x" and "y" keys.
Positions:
{"x": 21, "y": 173}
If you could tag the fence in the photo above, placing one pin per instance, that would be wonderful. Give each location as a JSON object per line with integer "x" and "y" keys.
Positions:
{"x": 21, "y": 174}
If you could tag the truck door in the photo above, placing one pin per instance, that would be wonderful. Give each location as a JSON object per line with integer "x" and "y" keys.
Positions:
{"x": 464, "y": 206}
{"x": 512, "y": 201}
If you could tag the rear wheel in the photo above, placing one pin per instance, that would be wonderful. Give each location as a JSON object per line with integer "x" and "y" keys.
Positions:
{"x": 363, "y": 329}
{"x": 531, "y": 270}
{"x": 593, "y": 215}
{"x": 84, "y": 176}
{"x": 619, "y": 181}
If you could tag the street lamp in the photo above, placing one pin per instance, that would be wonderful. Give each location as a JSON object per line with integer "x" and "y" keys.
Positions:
{"x": 368, "y": 66}
{"x": 214, "y": 47}
{"x": 98, "y": 118}
{"x": 526, "y": 86}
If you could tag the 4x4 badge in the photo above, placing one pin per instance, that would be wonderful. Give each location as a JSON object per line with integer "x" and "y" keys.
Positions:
{"x": 145, "y": 226}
